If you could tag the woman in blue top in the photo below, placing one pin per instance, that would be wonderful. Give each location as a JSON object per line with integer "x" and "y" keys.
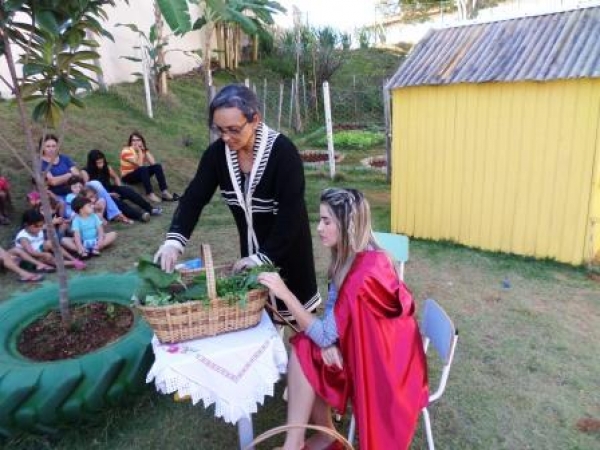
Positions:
{"x": 60, "y": 168}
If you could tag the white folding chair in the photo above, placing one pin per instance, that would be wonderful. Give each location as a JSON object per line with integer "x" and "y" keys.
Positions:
{"x": 396, "y": 245}
{"x": 439, "y": 331}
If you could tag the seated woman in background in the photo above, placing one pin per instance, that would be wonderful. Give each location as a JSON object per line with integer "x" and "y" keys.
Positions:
{"x": 5, "y": 201}
{"x": 366, "y": 348}
{"x": 138, "y": 165}
{"x": 98, "y": 169}
{"x": 60, "y": 168}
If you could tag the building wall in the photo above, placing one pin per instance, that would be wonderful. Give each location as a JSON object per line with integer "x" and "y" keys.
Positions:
{"x": 511, "y": 167}
{"x": 118, "y": 70}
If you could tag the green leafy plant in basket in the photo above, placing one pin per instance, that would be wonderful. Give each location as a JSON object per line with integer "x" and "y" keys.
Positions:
{"x": 158, "y": 288}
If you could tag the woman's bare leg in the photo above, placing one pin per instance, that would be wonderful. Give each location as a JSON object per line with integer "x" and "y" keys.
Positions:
{"x": 321, "y": 415}
{"x": 22, "y": 254}
{"x": 109, "y": 238}
{"x": 7, "y": 261}
{"x": 301, "y": 400}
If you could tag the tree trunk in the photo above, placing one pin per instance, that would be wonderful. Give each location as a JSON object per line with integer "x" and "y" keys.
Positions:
{"x": 255, "y": 48}
{"x": 227, "y": 52}
{"x": 206, "y": 53}
{"x": 467, "y": 9}
{"x": 63, "y": 293}
{"x": 237, "y": 42}
{"x": 161, "y": 78}
{"x": 220, "y": 31}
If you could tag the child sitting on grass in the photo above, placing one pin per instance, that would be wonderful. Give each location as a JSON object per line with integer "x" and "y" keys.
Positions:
{"x": 10, "y": 262}
{"x": 61, "y": 224}
{"x": 98, "y": 204}
{"x": 76, "y": 185}
{"x": 89, "y": 237}
{"x": 32, "y": 240}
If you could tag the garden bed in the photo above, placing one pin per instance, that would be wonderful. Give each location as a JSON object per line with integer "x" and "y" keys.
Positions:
{"x": 318, "y": 158}
{"x": 375, "y": 162}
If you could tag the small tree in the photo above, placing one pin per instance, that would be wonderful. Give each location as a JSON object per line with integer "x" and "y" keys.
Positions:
{"x": 56, "y": 58}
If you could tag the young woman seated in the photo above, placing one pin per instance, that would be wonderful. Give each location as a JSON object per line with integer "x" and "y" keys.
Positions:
{"x": 367, "y": 347}
{"x": 138, "y": 165}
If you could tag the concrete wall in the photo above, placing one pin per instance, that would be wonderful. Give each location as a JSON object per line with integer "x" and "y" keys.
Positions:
{"x": 116, "y": 69}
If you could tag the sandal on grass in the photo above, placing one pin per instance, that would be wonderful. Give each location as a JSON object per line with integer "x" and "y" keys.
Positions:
{"x": 33, "y": 278}
{"x": 79, "y": 265}
{"x": 95, "y": 252}
{"x": 123, "y": 219}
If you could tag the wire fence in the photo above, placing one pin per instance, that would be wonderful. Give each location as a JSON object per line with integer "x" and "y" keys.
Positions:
{"x": 297, "y": 106}
{"x": 292, "y": 106}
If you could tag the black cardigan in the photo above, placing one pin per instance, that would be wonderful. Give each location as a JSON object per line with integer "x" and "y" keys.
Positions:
{"x": 279, "y": 216}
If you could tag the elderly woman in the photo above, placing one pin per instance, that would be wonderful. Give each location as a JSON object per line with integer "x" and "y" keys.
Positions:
{"x": 261, "y": 179}
{"x": 60, "y": 168}
{"x": 366, "y": 348}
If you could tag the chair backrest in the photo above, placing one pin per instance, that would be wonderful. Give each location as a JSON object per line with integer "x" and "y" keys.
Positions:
{"x": 439, "y": 331}
{"x": 396, "y": 245}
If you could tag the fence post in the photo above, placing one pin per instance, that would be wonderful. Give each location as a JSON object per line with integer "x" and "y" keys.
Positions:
{"x": 298, "y": 115}
{"x": 212, "y": 136}
{"x": 247, "y": 83}
{"x": 280, "y": 105}
{"x": 291, "y": 102}
{"x": 305, "y": 102}
{"x": 329, "y": 128}
{"x": 264, "y": 100}
{"x": 387, "y": 113}
{"x": 146, "y": 76}
{"x": 356, "y": 121}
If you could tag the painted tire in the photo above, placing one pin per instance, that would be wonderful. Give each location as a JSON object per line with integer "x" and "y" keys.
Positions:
{"x": 39, "y": 396}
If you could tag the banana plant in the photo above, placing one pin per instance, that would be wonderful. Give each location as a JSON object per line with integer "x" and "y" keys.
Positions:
{"x": 154, "y": 46}
{"x": 252, "y": 16}
{"x": 55, "y": 47}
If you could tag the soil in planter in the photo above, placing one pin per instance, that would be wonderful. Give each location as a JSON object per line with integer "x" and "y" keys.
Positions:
{"x": 94, "y": 325}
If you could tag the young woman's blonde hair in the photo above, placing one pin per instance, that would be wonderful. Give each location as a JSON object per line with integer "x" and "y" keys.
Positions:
{"x": 352, "y": 214}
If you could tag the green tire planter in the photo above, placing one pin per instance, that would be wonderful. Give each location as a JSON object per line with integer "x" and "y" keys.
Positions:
{"x": 42, "y": 396}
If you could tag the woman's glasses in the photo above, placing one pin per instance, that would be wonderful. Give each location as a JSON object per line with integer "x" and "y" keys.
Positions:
{"x": 230, "y": 131}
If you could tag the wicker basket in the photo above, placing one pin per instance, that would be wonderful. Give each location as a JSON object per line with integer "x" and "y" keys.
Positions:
{"x": 192, "y": 320}
{"x": 188, "y": 275}
{"x": 283, "y": 428}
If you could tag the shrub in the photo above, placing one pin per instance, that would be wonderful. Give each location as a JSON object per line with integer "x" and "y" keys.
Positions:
{"x": 351, "y": 139}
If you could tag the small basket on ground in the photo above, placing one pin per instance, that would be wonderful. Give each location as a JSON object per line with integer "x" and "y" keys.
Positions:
{"x": 194, "y": 319}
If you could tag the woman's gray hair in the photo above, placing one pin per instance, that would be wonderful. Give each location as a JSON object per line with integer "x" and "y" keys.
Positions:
{"x": 235, "y": 96}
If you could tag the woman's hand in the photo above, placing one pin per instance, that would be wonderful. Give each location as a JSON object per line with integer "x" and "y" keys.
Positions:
{"x": 243, "y": 264}
{"x": 167, "y": 255}
{"x": 332, "y": 356}
{"x": 275, "y": 284}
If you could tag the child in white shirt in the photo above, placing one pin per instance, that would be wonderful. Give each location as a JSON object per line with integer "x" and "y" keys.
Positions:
{"x": 31, "y": 239}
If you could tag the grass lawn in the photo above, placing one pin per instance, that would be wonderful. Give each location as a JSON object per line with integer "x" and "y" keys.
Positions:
{"x": 527, "y": 366}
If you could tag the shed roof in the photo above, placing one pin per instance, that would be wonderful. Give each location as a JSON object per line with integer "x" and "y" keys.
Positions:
{"x": 552, "y": 46}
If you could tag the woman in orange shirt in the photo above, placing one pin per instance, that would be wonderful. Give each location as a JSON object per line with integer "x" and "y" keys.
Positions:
{"x": 138, "y": 165}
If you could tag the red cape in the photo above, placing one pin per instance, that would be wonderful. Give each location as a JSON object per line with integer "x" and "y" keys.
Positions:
{"x": 385, "y": 373}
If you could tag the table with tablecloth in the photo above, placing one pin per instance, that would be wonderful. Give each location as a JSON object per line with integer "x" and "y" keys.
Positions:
{"x": 233, "y": 371}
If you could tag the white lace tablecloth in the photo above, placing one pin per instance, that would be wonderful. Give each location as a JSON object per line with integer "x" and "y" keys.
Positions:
{"x": 234, "y": 370}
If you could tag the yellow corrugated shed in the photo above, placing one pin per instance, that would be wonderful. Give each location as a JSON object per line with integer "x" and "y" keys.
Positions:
{"x": 512, "y": 167}
{"x": 496, "y": 136}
